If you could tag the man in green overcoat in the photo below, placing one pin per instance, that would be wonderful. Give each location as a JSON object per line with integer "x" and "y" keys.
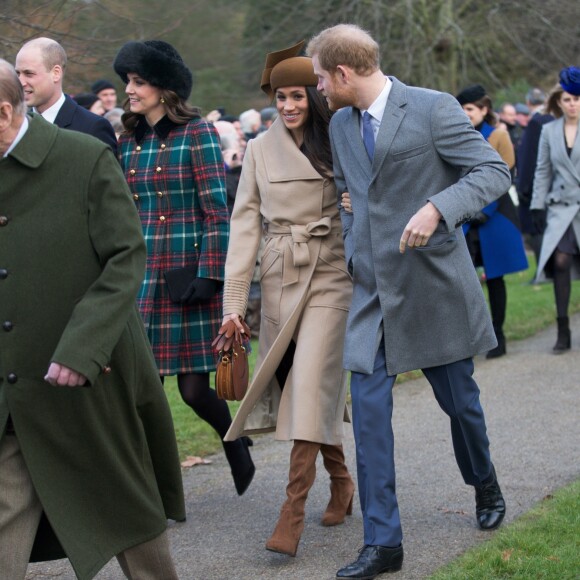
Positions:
{"x": 88, "y": 460}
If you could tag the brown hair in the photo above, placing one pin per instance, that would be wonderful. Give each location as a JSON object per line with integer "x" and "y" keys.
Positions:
{"x": 490, "y": 116}
{"x": 178, "y": 111}
{"x": 345, "y": 44}
{"x": 552, "y": 105}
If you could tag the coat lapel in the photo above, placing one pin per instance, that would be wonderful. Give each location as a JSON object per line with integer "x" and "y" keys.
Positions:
{"x": 392, "y": 119}
{"x": 575, "y": 157}
{"x": 283, "y": 160}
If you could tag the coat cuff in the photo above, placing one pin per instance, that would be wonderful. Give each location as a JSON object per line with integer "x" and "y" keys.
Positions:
{"x": 236, "y": 294}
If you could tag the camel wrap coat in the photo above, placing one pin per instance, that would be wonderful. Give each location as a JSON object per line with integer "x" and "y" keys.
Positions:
{"x": 102, "y": 458}
{"x": 306, "y": 291}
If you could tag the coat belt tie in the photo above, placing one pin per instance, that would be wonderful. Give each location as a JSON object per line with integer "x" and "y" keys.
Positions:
{"x": 299, "y": 235}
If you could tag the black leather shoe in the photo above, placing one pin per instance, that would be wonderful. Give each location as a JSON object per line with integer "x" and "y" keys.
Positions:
{"x": 241, "y": 464}
{"x": 489, "y": 503}
{"x": 372, "y": 561}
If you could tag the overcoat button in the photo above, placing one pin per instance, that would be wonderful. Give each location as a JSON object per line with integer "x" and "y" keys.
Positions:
{"x": 3, "y": 220}
{"x": 135, "y": 197}
{"x": 159, "y": 194}
{"x": 132, "y": 171}
{"x": 3, "y": 273}
{"x": 162, "y": 145}
{"x": 7, "y": 325}
{"x": 12, "y": 378}
{"x": 158, "y": 169}
{"x": 162, "y": 218}
{"x": 106, "y": 370}
{"x": 138, "y": 147}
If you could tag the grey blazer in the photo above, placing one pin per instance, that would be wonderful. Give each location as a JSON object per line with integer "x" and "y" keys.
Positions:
{"x": 429, "y": 300}
{"x": 557, "y": 188}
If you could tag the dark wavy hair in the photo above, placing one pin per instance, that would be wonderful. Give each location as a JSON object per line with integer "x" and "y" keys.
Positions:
{"x": 490, "y": 117}
{"x": 178, "y": 111}
{"x": 316, "y": 145}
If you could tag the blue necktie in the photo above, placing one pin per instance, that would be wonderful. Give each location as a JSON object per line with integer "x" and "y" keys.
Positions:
{"x": 368, "y": 135}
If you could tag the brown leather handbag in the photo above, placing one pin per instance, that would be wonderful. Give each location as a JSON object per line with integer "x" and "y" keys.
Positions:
{"x": 233, "y": 372}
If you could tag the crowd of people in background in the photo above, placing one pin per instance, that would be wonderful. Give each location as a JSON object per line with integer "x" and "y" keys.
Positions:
{"x": 240, "y": 219}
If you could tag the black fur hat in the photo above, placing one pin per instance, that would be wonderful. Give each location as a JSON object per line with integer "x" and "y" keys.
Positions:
{"x": 471, "y": 94}
{"x": 158, "y": 63}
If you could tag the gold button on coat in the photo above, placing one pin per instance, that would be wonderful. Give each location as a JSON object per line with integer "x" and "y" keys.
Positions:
{"x": 158, "y": 169}
{"x": 159, "y": 194}
{"x": 135, "y": 197}
{"x": 132, "y": 172}
{"x": 162, "y": 218}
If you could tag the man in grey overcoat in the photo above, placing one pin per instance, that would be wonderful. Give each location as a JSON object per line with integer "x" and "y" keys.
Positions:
{"x": 88, "y": 460}
{"x": 415, "y": 170}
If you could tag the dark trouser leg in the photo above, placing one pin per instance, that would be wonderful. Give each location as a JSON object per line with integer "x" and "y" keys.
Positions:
{"x": 372, "y": 409}
{"x": 562, "y": 282}
{"x": 458, "y": 395}
{"x": 497, "y": 304}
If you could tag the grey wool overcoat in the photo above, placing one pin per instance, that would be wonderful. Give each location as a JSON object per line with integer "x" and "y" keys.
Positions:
{"x": 557, "y": 189}
{"x": 429, "y": 299}
{"x": 102, "y": 457}
{"x": 305, "y": 286}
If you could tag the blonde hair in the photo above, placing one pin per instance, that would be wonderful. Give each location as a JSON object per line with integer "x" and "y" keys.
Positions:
{"x": 11, "y": 90}
{"x": 345, "y": 44}
{"x": 51, "y": 51}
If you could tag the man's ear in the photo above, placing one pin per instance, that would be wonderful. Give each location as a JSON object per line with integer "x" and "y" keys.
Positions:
{"x": 57, "y": 73}
{"x": 343, "y": 73}
{"x": 6, "y": 115}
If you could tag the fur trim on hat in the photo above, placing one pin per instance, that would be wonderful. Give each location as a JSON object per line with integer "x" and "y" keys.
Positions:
{"x": 158, "y": 63}
{"x": 471, "y": 94}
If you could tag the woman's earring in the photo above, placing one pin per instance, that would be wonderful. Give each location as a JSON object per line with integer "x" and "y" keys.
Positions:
{"x": 162, "y": 100}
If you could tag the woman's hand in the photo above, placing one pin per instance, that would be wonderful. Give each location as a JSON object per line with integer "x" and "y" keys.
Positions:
{"x": 236, "y": 318}
{"x": 346, "y": 205}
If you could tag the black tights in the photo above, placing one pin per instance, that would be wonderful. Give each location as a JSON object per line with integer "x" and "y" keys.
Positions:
{"x": 196, "y": 393}
{"x": 497, "y": 302}
{"x": 562, "y": 282}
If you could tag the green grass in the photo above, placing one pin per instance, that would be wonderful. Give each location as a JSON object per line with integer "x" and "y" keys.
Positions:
{"x": 543, "y": 544}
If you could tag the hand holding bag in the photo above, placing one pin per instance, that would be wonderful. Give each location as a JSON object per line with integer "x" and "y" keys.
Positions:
{"x": 233, "y": 371}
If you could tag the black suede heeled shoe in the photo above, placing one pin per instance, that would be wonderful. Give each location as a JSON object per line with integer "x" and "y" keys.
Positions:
{"x": 238, "y": 456}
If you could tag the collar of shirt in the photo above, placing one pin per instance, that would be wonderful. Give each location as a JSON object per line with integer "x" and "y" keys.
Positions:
{"x": 20, "y": 134}
{"x": 377, "y": 108}
{"x": 52, "y": 111}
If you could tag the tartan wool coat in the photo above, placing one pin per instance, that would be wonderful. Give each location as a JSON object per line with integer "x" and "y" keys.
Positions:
{"x": 102, "y": 458}
{"x": 177, "y": 177}
{"x": 306, "y": 291}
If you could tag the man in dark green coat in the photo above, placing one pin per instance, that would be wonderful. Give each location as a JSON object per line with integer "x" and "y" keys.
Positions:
{"x": 88, "y": 460}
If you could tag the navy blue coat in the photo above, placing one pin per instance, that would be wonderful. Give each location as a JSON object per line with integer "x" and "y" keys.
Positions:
{"x": 74, "y": 117}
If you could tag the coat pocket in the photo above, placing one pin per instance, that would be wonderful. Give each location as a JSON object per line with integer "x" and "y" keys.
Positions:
{"x": 408, "y": 153}
{"x": 271, "y": 284}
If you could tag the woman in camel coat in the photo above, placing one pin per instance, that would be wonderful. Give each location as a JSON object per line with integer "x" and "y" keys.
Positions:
{"x": 287, "y": 192}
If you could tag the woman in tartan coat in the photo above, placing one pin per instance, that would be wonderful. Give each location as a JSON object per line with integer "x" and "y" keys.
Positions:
{"x": 173, "y": 165}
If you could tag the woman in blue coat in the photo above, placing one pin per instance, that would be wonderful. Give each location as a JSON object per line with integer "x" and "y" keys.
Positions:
{"x": 493, "y": 235}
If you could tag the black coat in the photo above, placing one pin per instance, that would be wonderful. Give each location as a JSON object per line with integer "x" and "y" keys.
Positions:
{"x": 74, "y": 117}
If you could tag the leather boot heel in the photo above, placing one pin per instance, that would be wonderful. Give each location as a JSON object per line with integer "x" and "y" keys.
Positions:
{"x": 341, "y": 486}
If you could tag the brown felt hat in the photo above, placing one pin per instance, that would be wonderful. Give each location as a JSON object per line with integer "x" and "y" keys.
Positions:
{"x": 284, "y": 68}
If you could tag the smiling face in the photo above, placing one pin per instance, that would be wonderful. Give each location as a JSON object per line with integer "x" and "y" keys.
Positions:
{"x": 108, "y": 98}
{"x": 42, "y": 86}
{"x": 292, "y": 106}
{"x": 476, "y": 114}
{"x": 144, "y": 98}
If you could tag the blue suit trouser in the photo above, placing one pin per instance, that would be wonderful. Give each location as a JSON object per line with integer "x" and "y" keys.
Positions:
{"x": 372, "y": 408}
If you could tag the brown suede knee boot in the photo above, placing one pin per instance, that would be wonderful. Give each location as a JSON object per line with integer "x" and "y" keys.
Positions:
{"x": 341, "y": 486}
{"x": 301, "y": 477}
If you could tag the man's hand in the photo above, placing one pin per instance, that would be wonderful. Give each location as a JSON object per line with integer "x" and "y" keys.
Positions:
{"x": 420, "y": 227}
{"x": 59, "y": 375}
